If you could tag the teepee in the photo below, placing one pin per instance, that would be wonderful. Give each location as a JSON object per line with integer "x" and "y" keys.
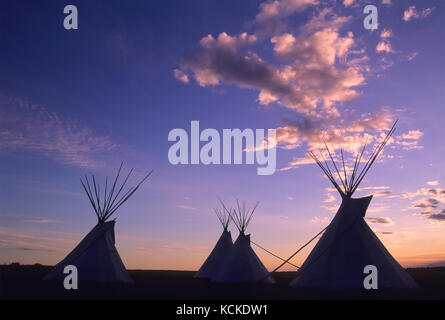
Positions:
{"x": 243, "y": 265}
{"x": 96, "y": 256}
{"x": 338, "y": 259}
{"x": 220, "y": 252}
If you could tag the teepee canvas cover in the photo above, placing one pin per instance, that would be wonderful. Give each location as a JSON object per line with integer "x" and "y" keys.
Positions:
{"x": 96, "y": 256}
{"x": 348, "y": 245}
{"x": 243, "y": 265}
{"x": 220, "y": 253}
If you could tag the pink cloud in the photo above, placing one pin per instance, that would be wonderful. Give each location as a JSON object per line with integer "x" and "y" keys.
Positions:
{"x": 329, "y": 198}
{"x": 43, "y": 221}
{"x": 348, "y": 3}
{"x": 320, "y": 220}
{"x": 181, "y": 76}
{"x": 413, "y": 13}
{"x": 34, "y": 240}
{"x": 410, "y": 140}
{"x": 383, "y": 46}
{"x": 315, "y": 70}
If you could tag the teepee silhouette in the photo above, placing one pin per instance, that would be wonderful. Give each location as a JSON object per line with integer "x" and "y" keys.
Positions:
{"x": 96, "y": 257}
{"x": 221, "y": 252}
{"x": 338, "y": 259}
{"x": 243, "y": 265}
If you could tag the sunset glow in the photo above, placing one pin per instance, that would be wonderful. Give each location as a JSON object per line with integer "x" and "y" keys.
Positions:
{"x": 83, "y": 101}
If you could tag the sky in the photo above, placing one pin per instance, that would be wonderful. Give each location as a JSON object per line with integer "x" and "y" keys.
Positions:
{"x": 76, "y": 102}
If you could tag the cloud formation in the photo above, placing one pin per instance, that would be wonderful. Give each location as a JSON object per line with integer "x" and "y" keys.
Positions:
{"x": 410, "y": 140}
{"x": 29, "y": 127}
{"x": 312, "y": 79}
{"x": 384, "y": 46}
{"x": 430, "y": 205}
{"x": 34, "y": 240}
{"x": 350, "y": 137}
{"x": 380, "y": 220}
{"x": 348, "y": 3}
{"x": 181, "y": 76}
{"x": 41, "y": 221}
{"x": 320, "y": 220}
{"x": 413, "y": 13}
{"x": 314, "y": 71}
{"x": 185, "y": 207}
{"x": 273, "y": 9}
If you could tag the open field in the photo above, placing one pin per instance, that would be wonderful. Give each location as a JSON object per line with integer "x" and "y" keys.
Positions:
{"x": 25, "y": 282}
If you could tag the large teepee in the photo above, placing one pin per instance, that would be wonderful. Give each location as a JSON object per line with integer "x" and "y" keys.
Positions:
{"x": 338, "y": 260}
{"x": 221, "y": 252}
{"x": 243, "y": 265}
{"x": 96, "y": 256}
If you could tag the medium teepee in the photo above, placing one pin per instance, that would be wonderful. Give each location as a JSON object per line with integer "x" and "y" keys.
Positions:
{"x": 220, "y": 252}
{"x": 96, "y": 256}
{"x": 338, "y": 260}
{"x": 243, "y": 265}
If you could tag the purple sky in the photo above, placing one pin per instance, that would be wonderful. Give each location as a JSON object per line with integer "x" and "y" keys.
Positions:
{"x": 81, "y": 101}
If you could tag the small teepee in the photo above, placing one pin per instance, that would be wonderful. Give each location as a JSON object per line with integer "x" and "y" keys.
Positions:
{"x": 338, "y": 260}
{"x": 96, "y": 256}
{"x": 220, "y": 252}
{"x": 243, "y": 265}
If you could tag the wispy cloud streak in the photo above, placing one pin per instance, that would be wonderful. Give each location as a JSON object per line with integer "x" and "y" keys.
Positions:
{"x": 28, "y": 127}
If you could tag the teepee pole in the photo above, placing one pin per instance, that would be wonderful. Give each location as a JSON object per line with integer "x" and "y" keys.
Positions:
{"x": 120, "y": 189}
{"x": 317, "y": 161}
{"x": 110, "y": 196}
{"x": 293, "y": 255}
{"x": 97, "y": 197}
{"x": 127, "y": 195}
{"x": 272, "y": 254}
{"x": 332, "y": 159}
{"x": 91, "y": 200}
{"x": 344, "y": 169}
{"x": 105, "y": 206}
{"x": 374, "y": 156}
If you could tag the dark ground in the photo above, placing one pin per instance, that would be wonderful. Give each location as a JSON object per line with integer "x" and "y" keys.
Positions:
{"x": 25, "y": 282}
